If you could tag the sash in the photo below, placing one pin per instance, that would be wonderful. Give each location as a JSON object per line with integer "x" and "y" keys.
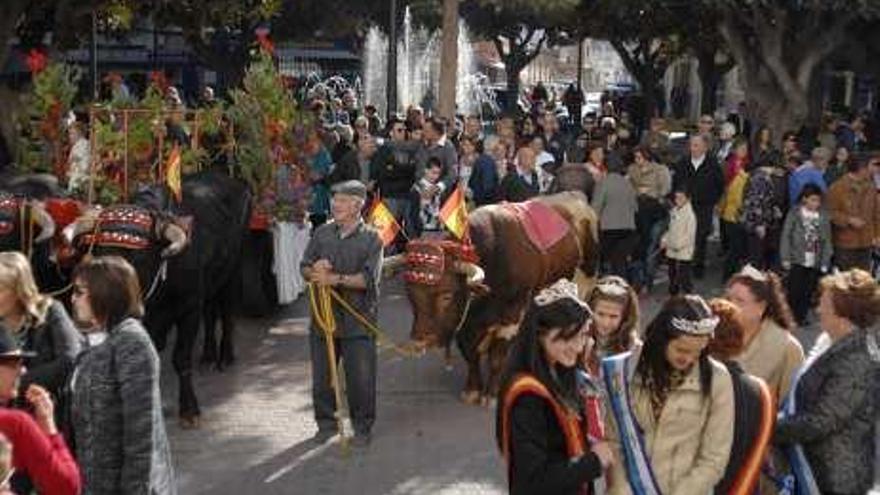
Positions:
{"x": 750, "y": 471}
{"x": 801, "y": 480}
{"x": 592, "y": 393}
{"x": 569, "y": 422}
{"x": 615, "y": 371}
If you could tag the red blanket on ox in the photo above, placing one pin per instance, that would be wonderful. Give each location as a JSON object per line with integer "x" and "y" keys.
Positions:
{"x": 542, "y": 224}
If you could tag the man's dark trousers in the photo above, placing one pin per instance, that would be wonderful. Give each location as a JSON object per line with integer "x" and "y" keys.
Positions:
{"x": 359, "y": 356}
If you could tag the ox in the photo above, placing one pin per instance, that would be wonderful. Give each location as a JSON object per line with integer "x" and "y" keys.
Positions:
{"x": 480, "y": 297}
{"x": 187, "y": 277}
{"x": 32, "y": 211}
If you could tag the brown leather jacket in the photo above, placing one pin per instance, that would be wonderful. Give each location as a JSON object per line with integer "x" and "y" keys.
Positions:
{"x": 851, "y": 198}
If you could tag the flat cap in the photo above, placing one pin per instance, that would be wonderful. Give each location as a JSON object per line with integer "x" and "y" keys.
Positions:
{"x": 350, "y": 188}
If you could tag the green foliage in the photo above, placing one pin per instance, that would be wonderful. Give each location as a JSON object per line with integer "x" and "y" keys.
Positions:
{"x": 40, "y": 131}
{"x": 262, "y": 112}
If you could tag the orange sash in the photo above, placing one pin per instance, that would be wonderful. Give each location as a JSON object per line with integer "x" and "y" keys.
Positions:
{"x": 750, "y": 472}
{"x": 570, "y": 423}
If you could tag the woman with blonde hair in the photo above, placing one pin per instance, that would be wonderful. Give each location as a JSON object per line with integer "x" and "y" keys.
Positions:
{"x": 38, "y": 323}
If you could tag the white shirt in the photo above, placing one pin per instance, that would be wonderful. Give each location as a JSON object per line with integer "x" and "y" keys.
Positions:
{"x": 78, "y": 164}
{"x": 698, "y": 162}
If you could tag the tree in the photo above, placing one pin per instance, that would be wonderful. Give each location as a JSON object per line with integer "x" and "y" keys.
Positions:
{"x": 221, "y": 33}
{"x": 519, "y": 29}
{"x": 779, "y": 44}
{"x": 449, "y": 69}
{"x": 644, "y": 35}
{"x": 699, "y": 34}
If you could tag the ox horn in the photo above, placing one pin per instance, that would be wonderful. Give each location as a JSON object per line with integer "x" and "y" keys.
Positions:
{"x": 392, "y": 264}
{"x": 474, "y": 273}
{"x": 44, "y": 220}
{"x": 81, "y": 225}
{"x": 177, "y": 238}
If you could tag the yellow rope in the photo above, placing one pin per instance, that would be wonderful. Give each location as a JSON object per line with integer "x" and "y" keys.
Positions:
{"x": 322, "y": 313}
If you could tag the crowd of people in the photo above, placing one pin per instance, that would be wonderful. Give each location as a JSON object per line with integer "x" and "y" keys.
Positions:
{"x": 710, "y": 395}
{"x": 802, "y": 205}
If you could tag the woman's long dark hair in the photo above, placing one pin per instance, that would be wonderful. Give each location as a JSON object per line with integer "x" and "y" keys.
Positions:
{"x": 653, "y": 367}
{"x": 527, "y": 354}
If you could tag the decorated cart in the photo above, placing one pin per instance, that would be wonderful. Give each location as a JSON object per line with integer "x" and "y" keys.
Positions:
{"x": 131, "y": 144}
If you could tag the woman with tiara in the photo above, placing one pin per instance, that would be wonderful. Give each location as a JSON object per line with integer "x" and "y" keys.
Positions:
{"x": 672, "y": 406}
{"x": 541, "y": 423}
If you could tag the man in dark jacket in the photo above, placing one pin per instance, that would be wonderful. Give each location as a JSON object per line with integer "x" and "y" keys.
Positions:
{"x": 521, "y": 183}
{"x": 701, "y": 176}
{"x": 394, "y": 173}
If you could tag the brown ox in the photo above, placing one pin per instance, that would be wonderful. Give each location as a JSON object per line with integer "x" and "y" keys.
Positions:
{"x": 450, "y": 296}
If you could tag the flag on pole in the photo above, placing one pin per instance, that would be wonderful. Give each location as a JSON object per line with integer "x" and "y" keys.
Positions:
{"x": 172, "y": 173}
{"x": 383, "y": 220}
{"x": 453, "y": 214}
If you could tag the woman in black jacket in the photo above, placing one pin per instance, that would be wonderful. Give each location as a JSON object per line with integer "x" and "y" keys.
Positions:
{"x": 38, "y": 324}
{"x": 541, "y": 424}
{"x": 754, "y": 408}
{"x": 832, "y": 420}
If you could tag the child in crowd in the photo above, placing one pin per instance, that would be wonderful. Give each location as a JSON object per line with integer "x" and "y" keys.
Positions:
{"x": 428, "y": 192}
{"x": 805, "y": 249}
{"x": 679, "y": 243}
{"x": 615, "y": 322}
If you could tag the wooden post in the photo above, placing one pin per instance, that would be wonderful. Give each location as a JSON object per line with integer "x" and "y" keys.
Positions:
{"x": 93, "y": 149}
{"x": 125, "y": 155}
{"x": 161, "y": 140}
{"x": 449, "y": 63}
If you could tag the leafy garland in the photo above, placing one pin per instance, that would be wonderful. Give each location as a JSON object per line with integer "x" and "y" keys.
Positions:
{"x": 41, "y": 129}
{"x": 270, "y": 131}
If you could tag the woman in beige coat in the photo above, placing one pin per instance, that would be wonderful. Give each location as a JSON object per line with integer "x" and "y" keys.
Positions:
{"x": 682, "y": 402}
{"x": 771, "y": 352}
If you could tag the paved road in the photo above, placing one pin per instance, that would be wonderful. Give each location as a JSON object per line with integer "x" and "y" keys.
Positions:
{"x": 257, "y": 418}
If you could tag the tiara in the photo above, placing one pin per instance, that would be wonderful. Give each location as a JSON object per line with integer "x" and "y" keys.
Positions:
{"x": 612, "y": 287}
{"x": 753, "y": 273}
{"x": 562, "y": 289}
{"x": 704, "y": 327}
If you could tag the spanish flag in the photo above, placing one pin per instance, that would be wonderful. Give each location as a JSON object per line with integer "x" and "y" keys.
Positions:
{"x": 172, "y": 173}
{"x": 453, "y": 214}
{"x": 383, "y": 220}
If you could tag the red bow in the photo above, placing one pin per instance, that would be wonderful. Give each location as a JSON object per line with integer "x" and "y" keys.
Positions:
{"x": 266, "y": 44}
{"x": 36, "y": 61}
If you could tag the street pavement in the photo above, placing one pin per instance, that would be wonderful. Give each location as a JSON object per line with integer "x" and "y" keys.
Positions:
{"x": 257, "y": 418}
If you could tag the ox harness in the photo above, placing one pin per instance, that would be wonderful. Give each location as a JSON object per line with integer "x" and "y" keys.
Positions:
{"x": 426, "y": 264}
{"x": 126, "y": 227}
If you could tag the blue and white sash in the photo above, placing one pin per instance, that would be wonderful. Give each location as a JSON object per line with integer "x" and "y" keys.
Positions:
{"x": 801, "y": 477}
{"x": 616, "y": 375}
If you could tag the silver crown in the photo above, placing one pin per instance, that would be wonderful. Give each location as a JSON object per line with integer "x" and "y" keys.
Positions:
{"x": 704, "y": 327}
{"x": 561, "y": 289}
{"x": 753, "y": 273}
{"x": 612, "y": 288}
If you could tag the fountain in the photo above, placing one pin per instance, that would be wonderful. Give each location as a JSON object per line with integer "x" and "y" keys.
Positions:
{"x": 418, "y": 70}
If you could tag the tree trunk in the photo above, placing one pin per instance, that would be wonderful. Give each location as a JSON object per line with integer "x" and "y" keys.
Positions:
{"x": 710, "y": 79}
{"x": 513, "y": 70}
{"x": 449, "y": 67}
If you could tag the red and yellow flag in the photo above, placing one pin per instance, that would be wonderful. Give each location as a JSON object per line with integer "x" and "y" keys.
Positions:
{"x": 453, "y": 214}
{"x": 172, "y": 173}
{"x": 383, "y": 220}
